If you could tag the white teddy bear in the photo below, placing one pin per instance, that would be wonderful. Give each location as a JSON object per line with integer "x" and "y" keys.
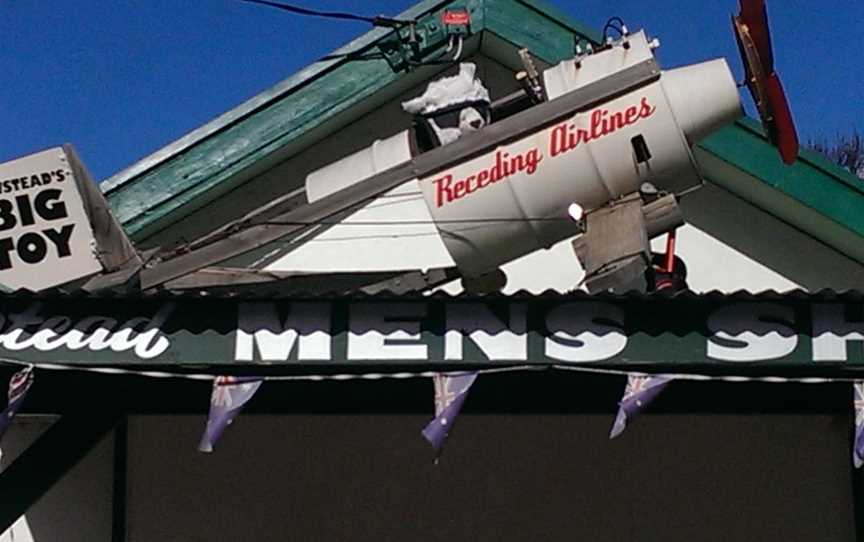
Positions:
{"x": 449, "y": 91}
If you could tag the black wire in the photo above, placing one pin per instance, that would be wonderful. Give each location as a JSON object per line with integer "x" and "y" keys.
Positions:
{"x": 355, "y": 55}
{"x": 311, "y": 12}
{"x": 611, "y": 25}
{"x": 377, "y": 21}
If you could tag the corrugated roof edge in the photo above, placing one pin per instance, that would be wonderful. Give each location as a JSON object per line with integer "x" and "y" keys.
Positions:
{"x": 261, "y": 100}
{"x": 740, "y": 295}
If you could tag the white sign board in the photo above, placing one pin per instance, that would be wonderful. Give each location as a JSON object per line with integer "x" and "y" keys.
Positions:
{"x": 45, "y": 234}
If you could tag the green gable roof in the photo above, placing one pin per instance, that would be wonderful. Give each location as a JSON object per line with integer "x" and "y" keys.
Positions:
{"x": 812, "y": 195}
{"x": 290, "y": 116}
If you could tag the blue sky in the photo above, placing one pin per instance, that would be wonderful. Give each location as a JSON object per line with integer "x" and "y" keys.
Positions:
{"x": 121, "y": 78}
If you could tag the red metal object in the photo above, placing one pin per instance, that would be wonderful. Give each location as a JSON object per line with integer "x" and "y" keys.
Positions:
{"x": 670, "y": 251}
{"x": 754, "y": 41}
{"x": 460, "y": 17}
{"x": 669, "y": 271}
{"x": 755, "y": 16}
{"x": 785, "y": 135}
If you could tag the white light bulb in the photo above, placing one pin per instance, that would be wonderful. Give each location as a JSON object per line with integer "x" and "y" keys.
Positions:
{"x": 575, "y": 211}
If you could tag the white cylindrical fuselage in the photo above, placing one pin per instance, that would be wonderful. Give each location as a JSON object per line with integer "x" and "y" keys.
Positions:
{"x": 514, "y": 199}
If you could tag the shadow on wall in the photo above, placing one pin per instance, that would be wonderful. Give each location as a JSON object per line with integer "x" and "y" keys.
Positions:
{"x": 79, "y": 507}
{"x": 502, "y": 477}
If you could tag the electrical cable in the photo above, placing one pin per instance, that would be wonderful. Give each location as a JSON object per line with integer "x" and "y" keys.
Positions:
{"x": 354, "y": 55}
{"x": 450, "y": 44}
{"x": 459, "y": 50}
{"x": 298, "y": 10}
{"x": 377, "y": 20}
{"x": 616, "y": 24}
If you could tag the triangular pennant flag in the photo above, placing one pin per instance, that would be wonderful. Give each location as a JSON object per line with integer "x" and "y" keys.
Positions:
{"x": 19, "y": 385}
{"x": 640, "y": 391}
{"x": 229, "y": 396}
{"x": 450, "y": 394}
{"x": 858, "y": 446}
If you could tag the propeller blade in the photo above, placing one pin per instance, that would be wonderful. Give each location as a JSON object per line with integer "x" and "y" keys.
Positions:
{"x": 782, "y": 126}
{"x": 754, "y": 41}
{"x": 755, "y": 16}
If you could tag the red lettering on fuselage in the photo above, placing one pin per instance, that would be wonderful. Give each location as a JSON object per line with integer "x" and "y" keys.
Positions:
{"x": 566, "y": 137}
{"x": 504, "y": 166}
{"x": 563, "y": 138}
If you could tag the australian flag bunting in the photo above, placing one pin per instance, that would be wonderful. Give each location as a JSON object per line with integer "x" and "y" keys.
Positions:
{"x": 858, "y": 448}
{"x": 450, "y": 394}
{"x": 230, "y": 395}
{"x": 638, "y": 394}
{"x": 19, "y": 385}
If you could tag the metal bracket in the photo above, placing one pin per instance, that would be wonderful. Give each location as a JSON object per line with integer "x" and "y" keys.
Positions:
{"x": 424, "y": 42}
{"x": 530, "y": 78}
{"x": 615, "y": 251}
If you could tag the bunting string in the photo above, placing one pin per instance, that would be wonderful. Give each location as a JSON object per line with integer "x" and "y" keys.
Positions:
{"x": 408, "y": 375}
{"x": 709, "y": 378}
{"x": 342, "y": 377}
{"x": 231, "y": 393}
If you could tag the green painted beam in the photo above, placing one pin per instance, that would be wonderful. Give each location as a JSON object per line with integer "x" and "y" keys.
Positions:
{"x": 812, "y": 180}
{"x": 812, "y": 195}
